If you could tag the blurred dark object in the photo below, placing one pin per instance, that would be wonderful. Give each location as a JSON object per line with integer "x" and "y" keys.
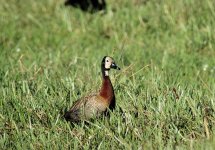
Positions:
{"x": 87, "y": 5}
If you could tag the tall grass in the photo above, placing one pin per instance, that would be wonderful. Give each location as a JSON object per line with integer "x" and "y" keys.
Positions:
{"x": 50, "y": 56}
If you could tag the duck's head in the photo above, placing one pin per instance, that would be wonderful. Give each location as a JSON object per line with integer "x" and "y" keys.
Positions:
{"x": 109, "y": 63}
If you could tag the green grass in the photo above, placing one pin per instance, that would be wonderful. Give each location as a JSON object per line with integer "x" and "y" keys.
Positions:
{"x": 50, "y": 56}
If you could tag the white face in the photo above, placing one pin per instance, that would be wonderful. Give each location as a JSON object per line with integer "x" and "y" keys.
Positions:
{"x": 108, "y": 62}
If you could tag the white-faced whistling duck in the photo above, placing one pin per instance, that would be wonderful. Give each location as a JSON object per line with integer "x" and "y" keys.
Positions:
{"x": 95, "y": 104}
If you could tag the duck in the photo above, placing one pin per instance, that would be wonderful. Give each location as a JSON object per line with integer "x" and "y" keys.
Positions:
{"x": 95, "y": 104}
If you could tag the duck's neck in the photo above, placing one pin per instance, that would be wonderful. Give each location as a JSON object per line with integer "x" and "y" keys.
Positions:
{"x": 106, "y": 91}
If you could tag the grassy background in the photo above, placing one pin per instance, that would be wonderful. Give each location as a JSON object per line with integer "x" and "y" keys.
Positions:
{"x": 50, "y": 55}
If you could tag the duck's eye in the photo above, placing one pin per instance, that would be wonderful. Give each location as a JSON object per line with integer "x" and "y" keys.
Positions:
{"x": 107, "y": 60}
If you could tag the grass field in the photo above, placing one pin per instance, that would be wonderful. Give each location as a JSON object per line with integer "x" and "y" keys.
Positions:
{"x": 50, "y": 56}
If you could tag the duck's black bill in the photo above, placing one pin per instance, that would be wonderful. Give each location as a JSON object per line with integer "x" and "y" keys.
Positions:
{"x": 114, "y": 66}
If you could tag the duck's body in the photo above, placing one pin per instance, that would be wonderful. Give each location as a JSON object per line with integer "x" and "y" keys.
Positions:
{"x": 95, "y": 104}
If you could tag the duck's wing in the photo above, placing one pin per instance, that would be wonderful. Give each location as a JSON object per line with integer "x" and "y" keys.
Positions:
{"x": 76, "y": 112}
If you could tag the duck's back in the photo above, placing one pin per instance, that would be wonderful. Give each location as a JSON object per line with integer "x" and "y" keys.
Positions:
{"x": 87, "y": 107}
